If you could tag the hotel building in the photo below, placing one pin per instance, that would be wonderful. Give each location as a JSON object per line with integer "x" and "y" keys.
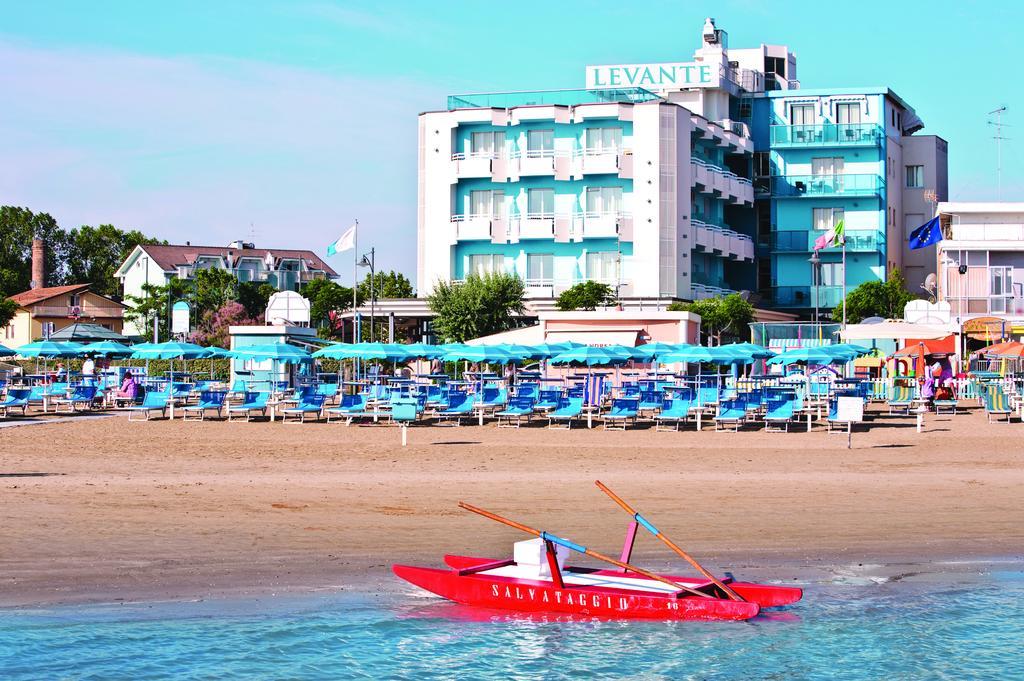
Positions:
{"x": 676, "y": 181}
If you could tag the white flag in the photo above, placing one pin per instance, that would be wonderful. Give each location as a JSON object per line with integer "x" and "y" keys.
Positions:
{"x": 345, "y": 242}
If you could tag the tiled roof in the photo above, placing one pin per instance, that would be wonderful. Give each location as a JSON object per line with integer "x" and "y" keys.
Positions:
{"x": 169, "y": 257}
{"x": 35, "y": 295}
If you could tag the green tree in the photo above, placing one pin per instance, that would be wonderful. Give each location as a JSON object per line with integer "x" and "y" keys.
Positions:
{"x": 721, "y": 318}
{"x": 95, "y": 253}
{"x": 7, "y": 309}
{"x": 479, "y": 306}
{"x": 326, "y": 297}
{"x": 386, "y": 285}
{"x": 18, "y": 226}
{"x": 214, "y": 288}
{"x": 155, "y": 303}
{"x": 876, "y": 299}
{"x": 254, "y": 296}
{"x": 586, "y": 295}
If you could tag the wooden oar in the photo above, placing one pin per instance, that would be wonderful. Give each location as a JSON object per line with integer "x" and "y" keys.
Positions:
{"x": 668, "y": 542}
{"x": 581, "y": 549}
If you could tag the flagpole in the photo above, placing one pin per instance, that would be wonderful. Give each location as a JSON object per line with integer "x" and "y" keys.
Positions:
{"x": 844, "y": 280}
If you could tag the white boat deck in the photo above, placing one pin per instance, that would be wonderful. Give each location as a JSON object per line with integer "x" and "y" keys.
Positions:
{"x": 583, "y": 579}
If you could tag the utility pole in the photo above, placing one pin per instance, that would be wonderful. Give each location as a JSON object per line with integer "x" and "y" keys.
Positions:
{"x": 998, "y": 137}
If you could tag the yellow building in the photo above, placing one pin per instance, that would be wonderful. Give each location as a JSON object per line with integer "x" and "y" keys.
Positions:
{"x": 42, "y": 311}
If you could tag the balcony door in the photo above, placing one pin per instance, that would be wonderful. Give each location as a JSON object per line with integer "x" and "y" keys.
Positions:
{"x": 603, "y": 266}
{"x": 540, "y": 143}
{"x": 540, "y": 203}
{"x": 540, "y": 269}
{"x": 828, "y": 174}
{"x": 603, "y": 140}
{"x": 604, "y": 200}
{"x": 486, "y": 144}
{"x": 486, "y": 203}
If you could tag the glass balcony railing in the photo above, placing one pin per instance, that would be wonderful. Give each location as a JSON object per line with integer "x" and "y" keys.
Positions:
{"x": 822, "y": 297}
{"x": 827, "y": 134}
{"x": 705, "y": 279}
{"x": 506, "y": 100}
{"x": 799, "y": 241}
{"x": 826, "y": 185}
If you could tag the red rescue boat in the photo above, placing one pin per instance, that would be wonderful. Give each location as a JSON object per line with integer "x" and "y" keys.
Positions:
{"x": 537, "y": 580}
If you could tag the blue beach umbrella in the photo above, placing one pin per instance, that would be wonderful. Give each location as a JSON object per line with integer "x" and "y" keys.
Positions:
{"x": 6, "y": 351}
{"x": 49, "y": 349}
{"x": 109, "y": 349}
{"x": 278, "y": 352}
{"x": 213, "y": 352}
{"x": 422, "y": 351}
{"x": 491, "y": 354}
{"x": 752, "y": 349}
{"x": 591, "y": 356}
{"x": 804, "y": 356}
{"x": 168, "y": 350}
{"x": 651, "y": 351}
{"x": 391, "y": 352}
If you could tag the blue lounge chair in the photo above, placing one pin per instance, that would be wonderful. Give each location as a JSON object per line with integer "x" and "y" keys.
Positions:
{"x": 329, "y": 391}
{"x": 351, "y": 407}
{"x": 623, "y": 410}
{"x": 310, "y": 405}
{"x": 181, "y": 391}
{"x": 17, "y": 398}
{"x": 528, "y": 390}
{"x": 81, "y": 396}
{"x": 491, "y": 397}
{"x": 569, "y": 408}
{"x": 651, "y": 400}
{"x": 404, "y": 410}
{"x": 674, "y": 410}
{"x": 251, "y": 404}
{"x": 239, "y": 388}
{"x": 548, "y": 400}
{"x": 459, "y": 406}
{"x": 730, "y": 413}
{"x": 209, "y": 400}
{"x": 154, "y": 400}
{"x": 519, "y": 407}
{"x": 781, "y": 410}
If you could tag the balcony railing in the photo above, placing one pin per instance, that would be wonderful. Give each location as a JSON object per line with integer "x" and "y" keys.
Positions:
{"x": 826, "y": 185}
{"x": 802, "y": 241}
{"x": 83, "y": 311}
{"x": 827, "y": 134}
{"x": 822, "y": 297}
{"x": 505, "y": 100}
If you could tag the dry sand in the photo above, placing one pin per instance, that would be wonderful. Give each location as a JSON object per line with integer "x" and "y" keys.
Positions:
{"x": 101, "y": 510}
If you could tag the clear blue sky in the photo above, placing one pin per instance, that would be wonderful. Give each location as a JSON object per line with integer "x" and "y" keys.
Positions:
{"x": 195, "y": 120}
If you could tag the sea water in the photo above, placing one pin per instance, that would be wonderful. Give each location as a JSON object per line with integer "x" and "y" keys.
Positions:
{"x": 925, "y": 627}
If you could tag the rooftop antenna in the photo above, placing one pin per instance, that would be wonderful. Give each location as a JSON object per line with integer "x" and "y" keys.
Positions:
{"x": 252, "y": 233}
{"x": 998, "y": 137}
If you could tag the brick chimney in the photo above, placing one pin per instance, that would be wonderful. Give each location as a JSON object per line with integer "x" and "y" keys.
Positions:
{"x": 38, "y": 264}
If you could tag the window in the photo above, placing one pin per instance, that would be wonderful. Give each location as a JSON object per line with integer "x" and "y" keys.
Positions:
{"x": 487, "y": 144}
{"x": 604, "y": 200}
{"x": 831, "y": 274}
{"x": 826, "y": 166}
{"x": 847, "y": 113}
{"x": 801, "y": 114}
{"x": 776, "y": 65}
{"x": 762, "y": 165}
{"x": 827, "y": 218}
{"x": 48, "y": 329}
{"x": 604, "y": 140}
{"x": 603, "y": 266}
{"x": 540, "y": 268}
{"x": 1000, "y": 288}
{"x": 9, "y": 331}
{"x": 915, "y": 177}
{"x": 540, "y": 143}
{"x": 75, "y": 300}
{"x": 540, "y": 203}
{"x": 485, "y": 203}
{"x": 489, "y": 263}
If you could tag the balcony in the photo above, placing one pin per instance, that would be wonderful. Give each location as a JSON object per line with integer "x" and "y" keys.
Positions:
{"x": 802, "y": 241}
{"x": 81, "y": 311}
{"x": 711, "y": 179}
{"x": 827, "y": 135}
{"x": 474, "y": 164}
{"x": 535, "y": 226}
{"x": 600, "y": 161}
{"x": 809, "y": 297}
{"x": 799, "y": 186}
{"x": 473, "y": 227}
{"x": 598, "y": 225}
{"x": 722, "y": 241}
{"x": 701, "y": 291}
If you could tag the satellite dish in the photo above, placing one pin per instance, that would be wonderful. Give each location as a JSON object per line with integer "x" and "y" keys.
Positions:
{"x": 872, "y": 320}
{"x": 287, "y": 307}
{"x": 929, "y": 282}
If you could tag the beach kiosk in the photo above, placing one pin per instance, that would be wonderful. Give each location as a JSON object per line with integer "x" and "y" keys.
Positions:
{"x": 287, "y": 318}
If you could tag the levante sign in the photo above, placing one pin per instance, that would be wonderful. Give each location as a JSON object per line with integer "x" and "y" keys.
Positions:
{"x": 652, "y": 76}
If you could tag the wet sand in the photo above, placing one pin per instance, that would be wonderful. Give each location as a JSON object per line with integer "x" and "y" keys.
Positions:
{"x": 104, "y": 510}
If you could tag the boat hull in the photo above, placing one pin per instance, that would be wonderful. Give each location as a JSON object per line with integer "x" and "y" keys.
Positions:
{"x": 537, "y": 596}
{"x": 765, "y": 595}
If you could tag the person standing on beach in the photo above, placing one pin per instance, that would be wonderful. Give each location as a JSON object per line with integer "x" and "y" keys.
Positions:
{"x": 88, "y": 371}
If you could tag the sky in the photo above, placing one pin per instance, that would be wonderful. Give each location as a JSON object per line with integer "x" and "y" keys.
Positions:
{"x": 285, "y": 121}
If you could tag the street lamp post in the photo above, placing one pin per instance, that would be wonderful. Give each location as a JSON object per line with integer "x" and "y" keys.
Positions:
{"x": 815, "y": 265}
{"x": 370, "y": 263}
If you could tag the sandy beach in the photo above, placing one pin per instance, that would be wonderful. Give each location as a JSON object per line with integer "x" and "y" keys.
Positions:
{"x": 104, "y": 509}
